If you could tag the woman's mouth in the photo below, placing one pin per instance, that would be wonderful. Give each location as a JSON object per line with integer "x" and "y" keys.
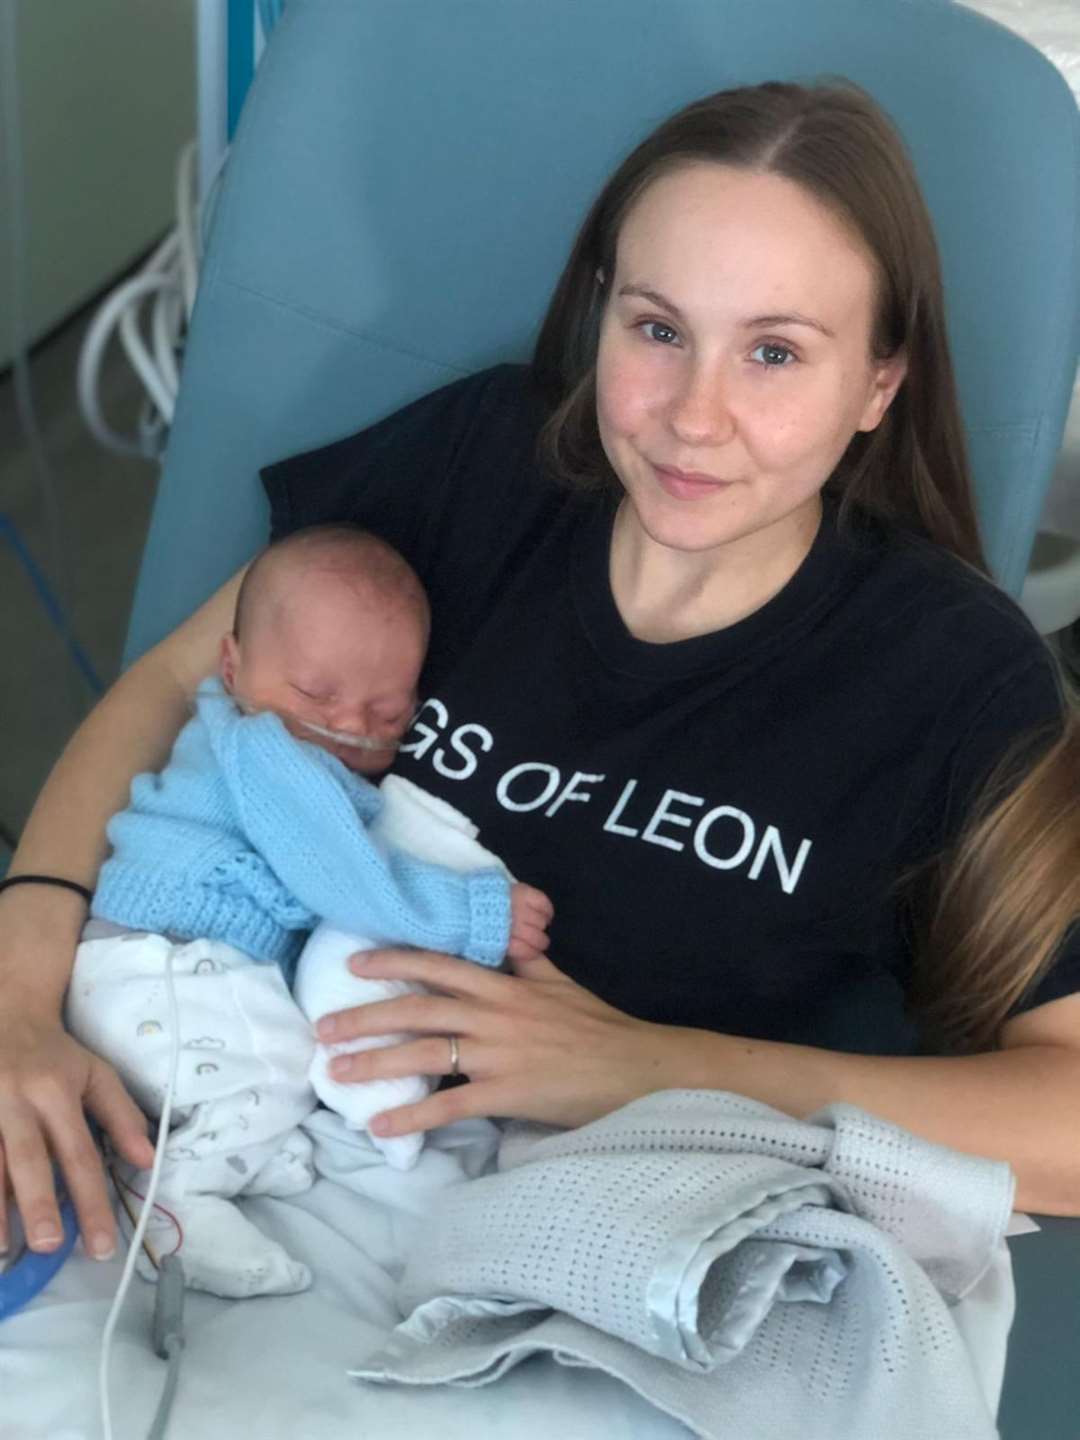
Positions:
{"x": 687, "y": 484}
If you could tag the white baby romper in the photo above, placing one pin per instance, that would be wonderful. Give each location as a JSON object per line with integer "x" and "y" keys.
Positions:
{"x": 249, "y": 1069}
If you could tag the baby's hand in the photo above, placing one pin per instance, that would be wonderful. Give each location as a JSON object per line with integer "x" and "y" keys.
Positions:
{"x": 530, "y": 914}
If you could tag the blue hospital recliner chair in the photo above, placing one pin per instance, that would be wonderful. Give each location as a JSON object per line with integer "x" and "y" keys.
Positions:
{"x": 403, "y": 190}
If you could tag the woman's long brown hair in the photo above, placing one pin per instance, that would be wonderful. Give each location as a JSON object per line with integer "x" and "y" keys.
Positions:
{"x": 992, "y": 912}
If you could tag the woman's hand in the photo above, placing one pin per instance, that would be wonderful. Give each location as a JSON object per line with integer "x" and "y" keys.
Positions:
{"x": 535, "y": 1044}
{"x": 46, "y": 1078}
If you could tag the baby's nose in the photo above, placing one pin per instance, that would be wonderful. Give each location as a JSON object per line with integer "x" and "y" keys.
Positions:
{"x": 365, "y": 720}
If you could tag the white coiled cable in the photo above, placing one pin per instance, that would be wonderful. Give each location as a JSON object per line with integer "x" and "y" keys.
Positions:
{"x": 166, "y": 283}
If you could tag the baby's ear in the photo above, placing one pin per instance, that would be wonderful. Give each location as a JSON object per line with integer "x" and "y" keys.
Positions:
{"x": 230, "y": 660}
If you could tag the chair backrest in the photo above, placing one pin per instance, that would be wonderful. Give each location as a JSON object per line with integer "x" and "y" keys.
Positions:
{"x": 407, "y": 179}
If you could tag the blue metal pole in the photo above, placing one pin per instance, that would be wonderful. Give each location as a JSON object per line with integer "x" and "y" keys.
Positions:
{"x": 241, "y": 60}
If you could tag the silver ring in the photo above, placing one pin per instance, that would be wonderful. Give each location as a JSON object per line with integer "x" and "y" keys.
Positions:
{"x": 455, "y": 1055}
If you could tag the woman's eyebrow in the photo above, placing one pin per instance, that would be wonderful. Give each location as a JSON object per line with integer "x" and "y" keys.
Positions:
{"x": 761, "y": 322}
{"x": 754, "y": 322}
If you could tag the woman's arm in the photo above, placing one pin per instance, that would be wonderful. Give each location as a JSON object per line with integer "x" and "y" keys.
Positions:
{"x": 45, "y": 1077}
{"x": 537, "y": 1046}
{"x": 1020, "y": 1103}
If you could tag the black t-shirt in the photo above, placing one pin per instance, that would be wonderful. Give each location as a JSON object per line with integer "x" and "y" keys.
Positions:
{"x": 719, "y": 821}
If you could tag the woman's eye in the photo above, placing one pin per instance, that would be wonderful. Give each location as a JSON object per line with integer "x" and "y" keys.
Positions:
{"x": 774, "y": 357}
{"x": 666, "y": 335}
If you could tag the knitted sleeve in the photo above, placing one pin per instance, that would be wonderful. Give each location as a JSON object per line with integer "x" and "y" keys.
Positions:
{"x": 308, "y": 824}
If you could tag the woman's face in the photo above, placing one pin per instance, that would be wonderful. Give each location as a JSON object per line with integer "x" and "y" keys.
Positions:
{"x": 734, "y": 361}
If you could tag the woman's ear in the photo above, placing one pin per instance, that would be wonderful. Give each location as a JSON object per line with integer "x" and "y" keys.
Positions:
{"x": 886, "y": 378}
{"x": 230, "y": 661}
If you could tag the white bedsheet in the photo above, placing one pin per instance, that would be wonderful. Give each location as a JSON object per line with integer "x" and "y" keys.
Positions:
{"x": 276, "y": 1366}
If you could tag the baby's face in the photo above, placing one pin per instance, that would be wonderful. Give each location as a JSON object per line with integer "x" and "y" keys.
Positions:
{"x": 341, "y": 665}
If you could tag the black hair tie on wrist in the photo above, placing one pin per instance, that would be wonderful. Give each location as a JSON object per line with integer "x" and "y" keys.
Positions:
{"x": 87, "y": 895}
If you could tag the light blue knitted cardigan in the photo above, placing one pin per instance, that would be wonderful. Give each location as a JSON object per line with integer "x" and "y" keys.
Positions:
{"x": 251, "y": 836}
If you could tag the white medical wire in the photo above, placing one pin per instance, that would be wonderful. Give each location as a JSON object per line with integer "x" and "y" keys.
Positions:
{"x": 159, "y": 276}
{"x": 164, "y": 324}
{"x": 146, "y": 366}
{"x": 147, "y": 1209}
{"x": 187, "y": 227}
{"x": 163, "y": 291}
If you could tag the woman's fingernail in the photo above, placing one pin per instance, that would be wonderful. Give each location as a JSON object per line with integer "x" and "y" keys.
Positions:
{"x": 379, "y": 1125}
{"x": 46, "y": 1235}
{"x": 102, "y": 1246}
{"x": 357, "y": 962}
{"x": 339, "y": 1068}
{"x": 326, "y": 1028}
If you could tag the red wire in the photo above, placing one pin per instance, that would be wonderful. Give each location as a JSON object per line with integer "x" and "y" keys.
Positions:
{"x": 172, "y": 1217}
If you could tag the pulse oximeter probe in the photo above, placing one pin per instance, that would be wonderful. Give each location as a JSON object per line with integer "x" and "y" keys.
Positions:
{"x": 32, "y": 1270}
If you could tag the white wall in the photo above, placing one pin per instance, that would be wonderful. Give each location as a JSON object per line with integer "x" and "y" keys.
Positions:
{"x": 107, "y": 98}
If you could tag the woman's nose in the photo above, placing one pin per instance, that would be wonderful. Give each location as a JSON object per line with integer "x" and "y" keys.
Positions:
{"x": 700, "y": 412}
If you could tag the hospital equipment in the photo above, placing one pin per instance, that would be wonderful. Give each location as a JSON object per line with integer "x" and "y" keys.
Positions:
{"x": 31, "y": 1272}
{"x": 230, "y": 38}
{"x": 28, "y": 1272}
{"x": 355, "y": 742}
{"x": 340, "y": 737}
{"x": 168, "y": 1335}
{"x": 167, "y": 281}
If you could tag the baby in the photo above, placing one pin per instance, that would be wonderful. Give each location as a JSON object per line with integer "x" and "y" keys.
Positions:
{"x": 260, "y": 827}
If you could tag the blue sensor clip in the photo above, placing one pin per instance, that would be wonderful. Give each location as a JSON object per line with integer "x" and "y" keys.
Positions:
{"x": 32, "y": 1271}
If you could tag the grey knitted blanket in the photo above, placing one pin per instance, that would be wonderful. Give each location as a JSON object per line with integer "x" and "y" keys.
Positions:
{"x": 750, "y": 1274}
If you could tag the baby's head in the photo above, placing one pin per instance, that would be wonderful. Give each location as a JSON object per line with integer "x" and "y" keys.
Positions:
{"x": 331, "y": 630}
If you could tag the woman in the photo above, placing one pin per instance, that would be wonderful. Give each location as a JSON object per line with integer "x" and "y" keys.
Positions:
{"x": 739, "y": 698}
